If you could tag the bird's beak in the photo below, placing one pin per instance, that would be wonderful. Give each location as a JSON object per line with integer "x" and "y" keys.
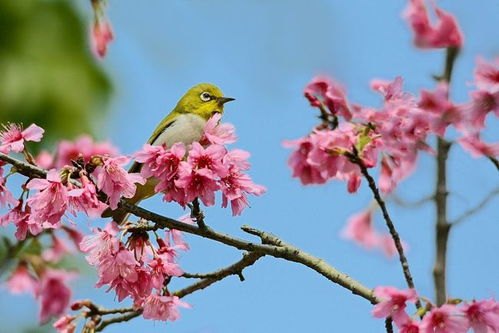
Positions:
{"x": 223, "y": 100}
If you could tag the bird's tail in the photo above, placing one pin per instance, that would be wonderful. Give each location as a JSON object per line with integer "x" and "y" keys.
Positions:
{"x": 120, "y": 215}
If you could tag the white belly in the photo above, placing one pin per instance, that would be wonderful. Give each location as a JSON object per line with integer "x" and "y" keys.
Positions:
{"x": 187, "y": 128}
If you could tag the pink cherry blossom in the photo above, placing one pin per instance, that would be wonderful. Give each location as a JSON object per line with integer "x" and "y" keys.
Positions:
{"x": 6, "y": 198}
{"x": 115, "y": 181}
{"x": 389, "y": 89}
{"x": 487, "y": 74}
{"x": 200, "y": 183}
{"x": 217, "y": 133}
{"x": 472, "y": 143}
{"x": 410, "y": 326}
{"x": 74, "y": 235}
{"x": 161, "y": 163}
{"x": 51, "y": 202}
{"x": 162, "y": 308}
{"x": 44, "y": 160}
{"x": 483, "y": 102}
{"x": 120, "y": 271}
{"x": 102, "y": 35}
{"x": 209, "y": 158}
{"x": 393, "y": 303}
{"x": 299, "y": 163}
{"x": 53, "y": 293}
{"x": 442, "y": 110}
{"x": 12, "y": 137}
{"x": 101, "y": 244}
{"x": 84, "y": 147}
{"x": 161, "y": 268}
{"x": 483, "y": 316}
{"x": 85, "y": 199}
{"x": 359, "y": 228}
{"x": 445, "y": 33}
{"x": 20, "y": 216}
{"x": 444, "y": 319}
{"x": 21, "y": 281}
{"x": 57, "y": 251}
{"x": 324, "y": 91}
{"x": 65, "y": 324}
{"x": 236, "y": 184}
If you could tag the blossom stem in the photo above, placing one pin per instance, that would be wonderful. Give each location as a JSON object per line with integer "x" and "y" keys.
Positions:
{"x": 118, "y": 319}
{"x": 442, "y": 226}
{"x": 494, "y": 161}
{"x": 210, "y": 278}
{"x": 354, "y": 157}
{"x": 389, "y": 325}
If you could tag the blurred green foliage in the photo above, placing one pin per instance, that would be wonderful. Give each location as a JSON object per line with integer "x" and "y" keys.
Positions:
{"x": 48, "y": 74}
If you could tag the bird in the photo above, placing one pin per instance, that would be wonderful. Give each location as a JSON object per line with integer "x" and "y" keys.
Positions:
{"x": 185, "y": 124}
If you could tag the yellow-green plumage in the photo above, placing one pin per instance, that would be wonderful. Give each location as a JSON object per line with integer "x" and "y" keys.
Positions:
{"x": 185, "y": 123}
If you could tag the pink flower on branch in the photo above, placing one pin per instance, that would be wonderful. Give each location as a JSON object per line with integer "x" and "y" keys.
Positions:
{"x": 53, "y": 293}
{"x": 445, "y": 33}
{"x": 487, "y": 74}
{"x": 483, "y": 316}
{"x": 326, "y": 92}
{"x": 393, "y": 303}
{"x": 6, "y": 197}
{"x": 472, "y": 143}
{"x": 12, "y": 137}
{"x": 51, "y": 202}
{"x": 115, "y": 181}
{"x": 21, "y": 281}
{"x": 217, "y": 133}
{"x": 83, "y": 147}
{"x": 444, "y": 319}
{"x": 163, "y": 308}
{"x": 102, "y": 35}
{"x": 360, "y": 229}
{"x": 65, "y": 324}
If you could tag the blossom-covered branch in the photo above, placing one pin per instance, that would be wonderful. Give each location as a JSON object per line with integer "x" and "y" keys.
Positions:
{"x": 284, "y": 251}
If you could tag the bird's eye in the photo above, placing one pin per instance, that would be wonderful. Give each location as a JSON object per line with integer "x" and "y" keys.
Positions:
{"x": 205, "y": 96}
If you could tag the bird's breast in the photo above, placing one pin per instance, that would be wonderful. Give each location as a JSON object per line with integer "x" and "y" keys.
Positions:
{"x": 186, "y": 128}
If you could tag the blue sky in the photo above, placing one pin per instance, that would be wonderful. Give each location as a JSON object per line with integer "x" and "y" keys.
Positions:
{"x": 263, "y": 53}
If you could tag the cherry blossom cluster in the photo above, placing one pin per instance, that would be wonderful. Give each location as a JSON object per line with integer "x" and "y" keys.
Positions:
{"x": 392, "y": 136}
{"x": 453, "y": 317}
{"x": 38, "y": 273}
{"x": 184, "y": 174}
{"x": 138, "y": 269}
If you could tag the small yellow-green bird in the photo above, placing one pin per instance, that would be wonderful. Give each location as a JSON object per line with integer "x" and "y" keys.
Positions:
{"x": 185, "y": 123}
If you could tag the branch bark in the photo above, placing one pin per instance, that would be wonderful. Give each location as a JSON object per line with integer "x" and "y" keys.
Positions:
{"x": 442, "y": 226}
{"x": 389, "y": 223}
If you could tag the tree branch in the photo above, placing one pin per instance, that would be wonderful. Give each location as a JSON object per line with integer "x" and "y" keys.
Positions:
{"x": 494, "y": 161}
{"x": 284, "y": 251}
{"x": 118, "y": 319}
{"x": 354, "y": 157}
{"x": 477, "y": 208}
{"x": 210, "y": 278}
{"x": 442, "y": 226}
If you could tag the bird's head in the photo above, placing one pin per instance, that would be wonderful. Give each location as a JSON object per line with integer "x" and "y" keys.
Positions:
{"x": 204, "y": 100}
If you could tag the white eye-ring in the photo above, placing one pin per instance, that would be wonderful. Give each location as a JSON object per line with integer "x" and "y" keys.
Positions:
{"x": 205, "y": 96}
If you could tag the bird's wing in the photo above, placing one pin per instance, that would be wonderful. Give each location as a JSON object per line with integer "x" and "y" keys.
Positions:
{"x": 163, "y": 125}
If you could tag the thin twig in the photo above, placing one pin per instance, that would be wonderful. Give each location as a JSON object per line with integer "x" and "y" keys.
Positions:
{"x": 285, "y": 251}
{"x": 118, "y": 319}
{"x": 410, "y": 204}
{"x": 234, "y": 269}
{"x": 477, "y": 208}
{"x": 494, "y": 161}
{"x": 389, "y": 325}
{"x": 354, "y": 157}
{"x": 197, "y": 214}
{"x": 442, "y": 226}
